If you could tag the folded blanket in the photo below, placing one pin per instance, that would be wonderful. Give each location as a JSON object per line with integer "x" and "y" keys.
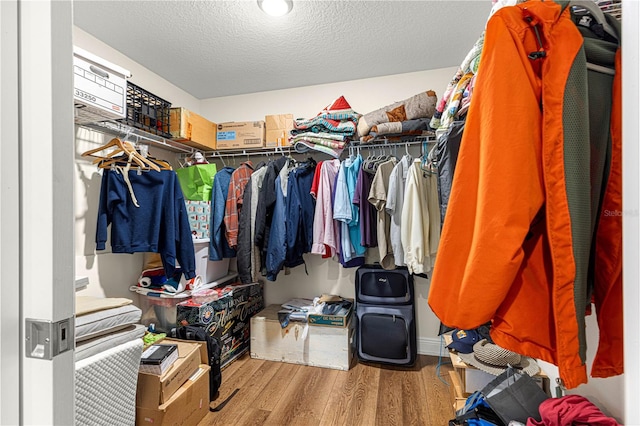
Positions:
{"x": 346, "y": 126}
{"x": 304, "y": 146}
{"x": 421, "y": 105}
{"x": 322, "y": 141}
{"x": 336, "y": 117}
{"x": 415, "y": 127}
{"x": 318, "y": 134}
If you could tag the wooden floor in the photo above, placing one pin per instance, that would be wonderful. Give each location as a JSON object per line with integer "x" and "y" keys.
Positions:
{"x": 277, "y": 393}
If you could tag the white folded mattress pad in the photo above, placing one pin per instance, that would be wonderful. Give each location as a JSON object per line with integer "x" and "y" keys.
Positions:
{"x": 98, "y": 323}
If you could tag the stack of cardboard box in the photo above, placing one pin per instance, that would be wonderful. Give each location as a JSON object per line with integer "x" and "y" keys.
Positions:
{"x": 196, "y": 131}
{"x": 181, "y": 394}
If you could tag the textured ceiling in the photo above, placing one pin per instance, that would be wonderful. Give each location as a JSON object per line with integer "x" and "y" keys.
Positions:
{"x": 220, "y": 48}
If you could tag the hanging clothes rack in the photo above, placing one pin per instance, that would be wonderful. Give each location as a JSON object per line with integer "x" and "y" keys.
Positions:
{"x": 384, "y": 142}
{"x": 279, "y": 150}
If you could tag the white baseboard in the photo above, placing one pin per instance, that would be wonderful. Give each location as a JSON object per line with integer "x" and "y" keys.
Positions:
{"x": 431, "y": 346}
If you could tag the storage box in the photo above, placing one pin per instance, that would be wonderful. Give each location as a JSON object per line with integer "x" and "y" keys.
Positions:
{"x": 277, "y": 129}
{"x": 331, "y": 320}
{"x": 226, "y": 318}
{"x": 154, "y": 389}
{"x": 199, "y": 213}
{"x": 188, "y": 405}
{"x": 328, "y": 347}
{"x": 192, "y": 129}
{"x": 160, "y": 311}
{"x": 158, "y": 358}
{"x": 209, "y": 270}
{"x": 240, "y": 134}
{"x": 100, "y": 88}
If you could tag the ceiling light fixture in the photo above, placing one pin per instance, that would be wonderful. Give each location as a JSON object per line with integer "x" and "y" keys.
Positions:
{"x": 276, "y": 7}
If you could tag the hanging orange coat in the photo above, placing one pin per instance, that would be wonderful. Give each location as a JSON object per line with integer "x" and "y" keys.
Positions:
{"x": 515, "y": 247}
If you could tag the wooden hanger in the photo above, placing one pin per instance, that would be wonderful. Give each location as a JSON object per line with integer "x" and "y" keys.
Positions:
{"x": 161, "y": 163}
{"x": 115, "y": 142}
{"x": 129, "y": 154}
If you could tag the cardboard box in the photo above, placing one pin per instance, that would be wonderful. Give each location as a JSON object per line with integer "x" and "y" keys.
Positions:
{"x": 240, "y": 134}
{"x": 328, "y": 347}
{"x": 187, "y": 406}
{"x": 192, "y": 129}
{"x": 331, "y": 320}
{"x": 277, "y": 129}
{"x": 100, "y": 88}
{"x": 226, "y": 318}
{"x": 154, "y": 390}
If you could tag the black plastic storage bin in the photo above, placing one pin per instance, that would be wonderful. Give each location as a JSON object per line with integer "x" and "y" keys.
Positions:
{"x": 147, "y": 111}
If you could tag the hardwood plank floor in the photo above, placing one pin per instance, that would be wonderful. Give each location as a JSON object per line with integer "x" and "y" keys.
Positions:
{"x": 275, "y": 393}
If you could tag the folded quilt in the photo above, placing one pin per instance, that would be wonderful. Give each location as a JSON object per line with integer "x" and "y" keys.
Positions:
{"x": 421, "y": 105}
{"x": 337, "y": 117}
{"x": 326, "y": 123}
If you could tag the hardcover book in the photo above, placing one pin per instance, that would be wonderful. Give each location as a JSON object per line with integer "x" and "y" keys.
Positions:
{"x": 158, "y": 358}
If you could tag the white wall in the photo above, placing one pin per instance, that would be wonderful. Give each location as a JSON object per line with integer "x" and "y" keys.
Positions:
{"x": 606, "y": 394}
{"x": 364, "y": 96}
{"x": 109, "y": 274}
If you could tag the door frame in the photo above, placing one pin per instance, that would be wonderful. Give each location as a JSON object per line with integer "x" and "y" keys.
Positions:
{"x": 36, "y": 192}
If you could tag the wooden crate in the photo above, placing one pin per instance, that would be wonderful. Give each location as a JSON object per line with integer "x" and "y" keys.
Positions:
{"x": 328, "y": 347}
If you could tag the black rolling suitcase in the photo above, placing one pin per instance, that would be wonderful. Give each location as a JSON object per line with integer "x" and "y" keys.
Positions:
{"x": 385, "y": 313}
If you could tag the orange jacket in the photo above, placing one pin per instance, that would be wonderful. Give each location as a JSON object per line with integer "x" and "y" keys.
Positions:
{"x": 515, "y": 247}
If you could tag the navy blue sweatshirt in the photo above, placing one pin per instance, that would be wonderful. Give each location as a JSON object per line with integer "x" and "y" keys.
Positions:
{"x": 159, "y": 225}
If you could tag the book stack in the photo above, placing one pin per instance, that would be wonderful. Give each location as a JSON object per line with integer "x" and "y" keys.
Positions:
{"x": 158, "y": 358}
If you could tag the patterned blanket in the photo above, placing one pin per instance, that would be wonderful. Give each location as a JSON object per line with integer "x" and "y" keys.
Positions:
{"x": 397, "y": 129}
{"x": 422, "y": 105}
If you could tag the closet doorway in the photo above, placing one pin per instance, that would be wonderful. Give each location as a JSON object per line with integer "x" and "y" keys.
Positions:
{"x": 36, "y": 213}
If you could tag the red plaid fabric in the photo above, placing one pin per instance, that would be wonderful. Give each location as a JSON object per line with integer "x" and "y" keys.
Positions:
{"x": 239, "y": 179}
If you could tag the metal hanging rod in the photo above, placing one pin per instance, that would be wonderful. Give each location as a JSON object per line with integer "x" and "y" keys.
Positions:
{"x": 384, "y": 142}
{"x": 289, "y": 150}
{"x": 280, "y": 150}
